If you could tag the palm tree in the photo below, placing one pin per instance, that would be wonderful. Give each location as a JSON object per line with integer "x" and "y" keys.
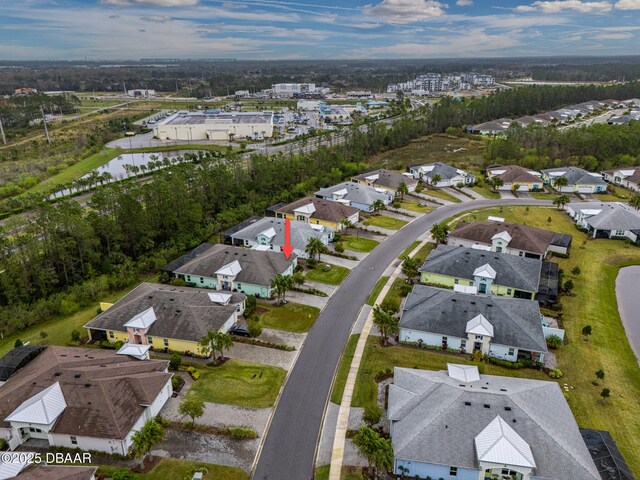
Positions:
{"x": 410, "y": 268}
{"x": 216, "y": 341}
{"x": 346, "y": 224}
{"x": 561, "y": 201}
{"x": 282, "y": 283}
{"x": 560, "y": 182}
{"x": 439, "y": 232}
{"x": 143, "y": 440}
{"x": 377, "y": 449}
{"x": 514, "y": 188}
{"x": 497, "y": 183}
{"x": 403, "y": 190}
{"x": 635, "y": 201}
{"x": 435, "y": 180}
{"x": 377, "y": 206}
{"x": 386, "y": 323}
{"x": 315, "y": 247}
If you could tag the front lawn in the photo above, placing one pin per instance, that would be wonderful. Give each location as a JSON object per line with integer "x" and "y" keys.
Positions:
{"x": 334, "y": 275}
{"x": 343, "y": 369}
{"x": 377, "y": 288}
{"x": 358, "y": 244}
{"x": 424, "y": 251}
{"x": 415, "y": 207}
{"x": 383, "y": 221}
{"x": 409, "y": 249}
{"x": 237, "y": 382}
{"x": 485, "y": 191}
{"x": 441, "y": 194}
{"x": 291, "y": 317}
{"x": 170, "y": 468}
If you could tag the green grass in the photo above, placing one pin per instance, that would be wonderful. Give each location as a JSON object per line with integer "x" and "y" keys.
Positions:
{"x": 334, "y": 276}
{"x": 359, "y": 244}
{"x": 383, "y": 221}
{"x": 485, "y": 191}
{"x": 394, "y": 291}
{"x": 237, "y": 382}
{"x": 291, "y": 317}
{"x": 343, "y": 369}
{"x": 371, "y": 299}
{"x": 415, "y": 207}
{"x": 424, "y": 251}
{"x": 170, "y": 468}
{"x": 409, "y": 249}
{"x": 347, "y": 473}
{"x": 441, "y": 194}
{"x": 543, "y": 195}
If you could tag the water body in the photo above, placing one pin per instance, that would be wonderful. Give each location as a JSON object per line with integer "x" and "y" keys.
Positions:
{"x": 118, "y": 170}
{"x": 628, "y": 294}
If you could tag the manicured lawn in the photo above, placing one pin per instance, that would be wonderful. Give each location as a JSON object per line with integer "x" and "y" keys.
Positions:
{"x": 170, "y": 468}
{"x": 343, "y": 369}
{"x": 371, "y": 299}
{"x": 239, "y": 383}
{"x": 439, "y": 193}
{"x": 347, "y": 473}
{"x": 409, "y": 249}
{"x": 543, "y": 195}
{"x": 483, "y": 190}
{"x": 424, "y": 251}
{"x": 332, "y": 276}
{"x": 394, "y": 290}
{"x": 415, "y": 207}
{"x": 291, "y": 317}
{"x": 359, "y": 244}
{"x": 383, "y": 221}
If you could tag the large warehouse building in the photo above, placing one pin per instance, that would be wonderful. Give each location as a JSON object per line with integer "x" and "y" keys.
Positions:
{"x": 215, "y": 125}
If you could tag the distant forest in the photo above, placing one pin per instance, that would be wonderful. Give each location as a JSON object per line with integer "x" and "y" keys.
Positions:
{"x": 218, "y": 77}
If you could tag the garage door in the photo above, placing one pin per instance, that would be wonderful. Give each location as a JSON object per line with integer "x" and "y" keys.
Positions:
{"x": 523, "y": 188}
{"x": 585, "y": 189}
{"x": 566, "y": 189}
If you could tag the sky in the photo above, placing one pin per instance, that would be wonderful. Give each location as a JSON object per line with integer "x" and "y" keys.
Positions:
{"x": 315, "y": 29}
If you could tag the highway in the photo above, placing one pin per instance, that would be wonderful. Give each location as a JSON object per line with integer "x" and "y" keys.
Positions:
{"x": 288, "y": 452}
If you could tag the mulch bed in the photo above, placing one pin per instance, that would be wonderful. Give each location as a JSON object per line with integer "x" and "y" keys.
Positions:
{"x": 148, "y": 464}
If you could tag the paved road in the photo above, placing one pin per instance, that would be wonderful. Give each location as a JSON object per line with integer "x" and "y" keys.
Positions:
{"x": 629, "y": 305}
{"x": 289, "y": 448}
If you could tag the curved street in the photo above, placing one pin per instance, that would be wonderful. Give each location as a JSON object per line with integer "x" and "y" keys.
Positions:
{"x": 288, "y": 452}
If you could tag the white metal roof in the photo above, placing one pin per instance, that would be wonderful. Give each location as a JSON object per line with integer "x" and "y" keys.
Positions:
{"x": 12, "y": 469}
{"x": 372, "y": 178}
{"x": 626, "y": 173}
{"x": 341, "y": 193}
{"x": 140, "y": 352}
{"x": 220, "y": 297}
{"x": 478, "y": 246}
{"x": 501, "y": 444}
{"x": 261, "y": 248}
{"x": 43, "y": 408}
{"x": 143, "y": 319}
{"x": 308, "y": 209}
{"x": 591, "y": 212}
{"x": 479, "y": 325}
{"x": 469, "y": 289}
{"x": 463, "y": 373}
{"x": 497, "y": 172}
{"x": 318, "y": 228}
{"x": 380, "y": 190}
{"x": 231, "y": 269}
{"x": 502, "y": 235}
{"x": 485, "y": 271}
{"x": 495, "y": 219}
{"x": 269, "y": 233}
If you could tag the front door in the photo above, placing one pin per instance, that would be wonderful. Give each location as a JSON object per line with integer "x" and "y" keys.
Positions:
{"x": 477, "y": 346}
{"x": 482, "y": 288}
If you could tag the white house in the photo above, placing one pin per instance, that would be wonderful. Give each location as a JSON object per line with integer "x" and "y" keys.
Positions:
{"x": 606, "y": 219}
{"x": 578, "y": 180}
{"x": 440, "y": 175}
{"x": 626, "y": 177}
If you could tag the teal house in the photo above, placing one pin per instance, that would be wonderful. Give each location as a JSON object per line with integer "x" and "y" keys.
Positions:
{"x": 235, "y": 269}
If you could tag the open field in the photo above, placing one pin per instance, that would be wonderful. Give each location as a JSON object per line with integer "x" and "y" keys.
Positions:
{"x": 291, "y": 317}
{"x": 383, "y": 221}
{"x": 237, "y": 382}
{"x": 334, "y": 275}
{"x": 173, "y": 468}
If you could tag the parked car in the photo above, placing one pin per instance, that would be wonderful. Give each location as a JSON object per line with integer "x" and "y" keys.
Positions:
{"x": 239, "y": 330}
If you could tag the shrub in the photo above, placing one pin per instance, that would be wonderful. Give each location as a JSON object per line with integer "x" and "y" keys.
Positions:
{"x": 176, "y": 361}
{"x": 372, "y": 414}
{"x": 242, "y": 433}
{"x": 339, "y": 247}
{"x": 176, "y": 382}
{"x": 312, "y": 262}
{"x": 405, "y": 290}
{"x": 75, "y": 335}
{"x": 194, "y": 372}
{"x": 177, "y": 282}
{"x": 124, "y": 474}
{"x": 390, "y": 305}
{"x": 3, "y": 444}
{"x": 255, "y": 329}
{"x": 106, "y": 344}
{"x": 554, "y": 341}
{"x": 18, "y": 343}
{"x": 250, "y": 305}
{"x": 555, "y": 373}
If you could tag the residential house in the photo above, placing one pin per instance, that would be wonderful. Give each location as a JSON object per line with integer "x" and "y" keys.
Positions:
{"x": 628, "y": 177}
{"x": 316, "y": 211}
{"x": 82, "y": 398}
{"x": 504, "y": 328}
{"x": 606, "y": 219}
{"x": 460, "y": 425}
{"x": 511, "y": 238}
{"x": 486, "y": 272}
{"x": 578, "y": 180}
{"x": 356, "y": 195}
{"x": 493, "y": 127}
{"x": 167, "y": 317}
{"x": 387, "y": 179}
{"x": 224, "y": 267}
{"x": 268, "y": 233}
{"x": 526, "y": 180}
{"x": 447, "y": 175}
{"x": 40, "y": 471}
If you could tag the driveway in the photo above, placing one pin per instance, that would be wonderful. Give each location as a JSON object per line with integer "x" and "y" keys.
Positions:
{"x": 221, "y": 415}
{"x": 307, "y": 298}
{"x": 455, "y": 193}
{"x": 296, "y": 423}
{"x": 263, "y": 355}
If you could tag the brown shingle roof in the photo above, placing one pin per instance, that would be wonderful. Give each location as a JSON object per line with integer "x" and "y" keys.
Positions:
{"x": 58, "y": 472}
{"x": 386, "y": 178}
{"x": 104, "y": 392}
{"x": 325, "y": 210}
{"x": 516, "y": 174}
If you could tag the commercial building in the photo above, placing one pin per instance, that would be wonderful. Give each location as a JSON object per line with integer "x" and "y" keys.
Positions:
{"x": 82, "y": 398}
{"x": 294, "y": 89}
{"x": 438, "y": 82}
{"x": 141, "y": 93}
{"x": 460, "y": 425}
{"x": 215, "y": 125}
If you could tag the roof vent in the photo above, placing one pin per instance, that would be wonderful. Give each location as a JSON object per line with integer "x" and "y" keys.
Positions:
{"x": 467, "y": 404}
{"x": 87, "y": 385}
{"x": 486, "y": 405}
{"x": 514, "y": 420}
{"x": 77, "y": 375}
{"x": 172, "y": 299}
{"x": 57, "y": 374}
{"x": 508, "y": 409}
{"x": 454, "y": 300}
{"x": 503, "y": 389}
{"x": 150, "y": 296}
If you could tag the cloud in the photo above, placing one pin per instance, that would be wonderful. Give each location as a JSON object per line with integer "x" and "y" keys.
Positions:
{"x": 613, "y": 36}
{"x": 156, "y": 3}
{"x": 464, "y": 3}
{"x": 628, "y": 5}
{"x": 156, "y": 19}
{"x": 558, "y": 6}
{"x": 232, "y": 5}
{"x": 405, "y": 11}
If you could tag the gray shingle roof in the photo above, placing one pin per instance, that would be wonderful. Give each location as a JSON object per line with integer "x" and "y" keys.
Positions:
{"x": 258, "y": 268}
{"x": 511, "y": 271}
{"x": 325, "y": 209}
{"x": 387, "y": 178}
{"x": 612, "y": 216}
{"x": 432, "y": 424}
{"x": 182, "y": 313}
{"x": 445, "y": 171}
{"x": 516, "y": 323}
{"x": 515, "y": 174}
{"x": 577, "y": 176}
{"x": 301, "y": 232}
{"x": 356, "y": 192}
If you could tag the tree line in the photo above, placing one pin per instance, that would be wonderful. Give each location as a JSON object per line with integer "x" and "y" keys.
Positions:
{"x": 18, "y": 111}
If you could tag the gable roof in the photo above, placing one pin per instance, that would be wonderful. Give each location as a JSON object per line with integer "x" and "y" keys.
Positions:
{"x": 515, "y": 174}
{"x": 479, "y": 325}
{"x": 273, "y": 228}
{"x": 485, "y": 271}
{"x": 43, "y": 408}
{"x": 143, "y": 319}
{"x": 575, "y": 176}
{"x": 446, "y": 172}
{"x": 386, "y": 178}
{"x": 608, "y": 215}
{"x": 55, "y": 472}
{"x": 183, "y": 313}
{"x": 511, "y": 271}
{"x": 258, "y": 268}
{"x": 432, "y": 423}
{"x": 515, "y": 322}
{"x": 523, "y": 237}
{"x": 324, "y": 209}
{"x": 631, "y": 174}
{"x": 355, "y": 192}
{"x": 499, "y": 443}
{"x": 464, "y": 373}
{"x": 105, "y": 393}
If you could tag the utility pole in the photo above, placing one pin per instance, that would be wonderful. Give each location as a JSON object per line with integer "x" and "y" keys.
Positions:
{"x": 4, "y": 139}
{"x": 44, "y": 122}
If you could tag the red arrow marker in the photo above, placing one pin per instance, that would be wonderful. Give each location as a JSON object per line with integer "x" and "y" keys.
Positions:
{"x": 287, "y": 249}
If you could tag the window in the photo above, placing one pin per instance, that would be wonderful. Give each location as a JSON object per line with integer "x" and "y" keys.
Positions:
{"x": 201, "y": 280}
{"x": 149, "y": 339}
{"x": 188, "y": 278}
{"x": 238, "y": 285}
{"x": 508, "y": 291}
{"x": 166, "y": 342}
{"x": 471, "y": 283}
{"x": 111, "y": 335}
{"x": 463, "y": 344}
{"x": 511, "y": 352}
{"x": 453, "y": 471}
{"x": 74, "y": 440}
{"x": 456, "y": 281}
{"x": 479, "y": 337}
